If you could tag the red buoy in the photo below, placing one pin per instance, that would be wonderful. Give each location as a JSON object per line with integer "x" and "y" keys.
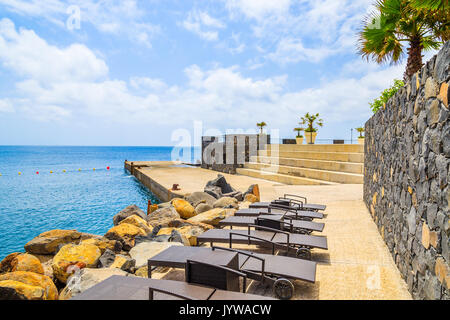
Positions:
{"x": 107, "y": 168}
{"x": 37, "y": 172}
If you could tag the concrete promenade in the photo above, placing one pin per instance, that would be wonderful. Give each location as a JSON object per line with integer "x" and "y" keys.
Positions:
{"x": 357, "y": 265}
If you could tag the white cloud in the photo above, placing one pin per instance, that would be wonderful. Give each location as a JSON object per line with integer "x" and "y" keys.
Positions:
{"x": 292, "y": 51}
{"x": 259, "y": 9}
{"x": 6, "y": 106}
{"x": 118, "y": 17}
{"x": 30, "y": 56}
{"x": 202, "y": 24}
{"x": 223, "y": 97}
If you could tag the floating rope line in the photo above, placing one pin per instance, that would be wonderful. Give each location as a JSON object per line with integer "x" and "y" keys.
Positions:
{"x": 21, "y": 173}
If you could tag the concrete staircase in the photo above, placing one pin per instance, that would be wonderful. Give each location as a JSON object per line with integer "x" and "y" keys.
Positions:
{"x": 308, "y": 164}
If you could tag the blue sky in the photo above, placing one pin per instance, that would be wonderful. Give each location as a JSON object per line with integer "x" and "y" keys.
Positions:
{"x": 142, "y": 72}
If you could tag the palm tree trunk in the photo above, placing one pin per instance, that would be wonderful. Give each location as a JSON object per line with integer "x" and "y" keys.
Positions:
{"x": 414, "y": 63}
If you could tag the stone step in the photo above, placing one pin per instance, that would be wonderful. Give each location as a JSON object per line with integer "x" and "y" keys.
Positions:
{"x": 350, "y": 167}
{"x": 346, "y": 148}
{"x": 312, "y": 155}
{"x": 281, "y": 178}
{"x": 324, "y": 175}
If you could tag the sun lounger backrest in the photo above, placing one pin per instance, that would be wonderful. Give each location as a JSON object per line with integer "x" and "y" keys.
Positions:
{"x": 215, "y": 276}
{"x": 270, "y": 223}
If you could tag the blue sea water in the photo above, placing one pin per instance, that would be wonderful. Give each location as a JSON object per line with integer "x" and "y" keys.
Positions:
{"x": 84, "y": 200}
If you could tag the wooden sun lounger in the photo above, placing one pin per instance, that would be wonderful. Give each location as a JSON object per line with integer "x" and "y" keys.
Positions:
{"x": 272, "y": 269}
{"x": 267, "y": 237}
{"x": 137, "y": 288}
{"x": 279, "y": 210}
{"x": 293, "y": 201}
{"x": 273, "y": 221}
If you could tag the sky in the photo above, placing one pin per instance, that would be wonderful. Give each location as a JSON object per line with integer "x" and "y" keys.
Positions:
{"x": 165, "y": 72}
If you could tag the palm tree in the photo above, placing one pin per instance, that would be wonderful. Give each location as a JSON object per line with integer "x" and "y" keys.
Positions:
{"x": 437, "y": 13}
{"x": 261, "y": 125}
{"x": 392, "y": 24}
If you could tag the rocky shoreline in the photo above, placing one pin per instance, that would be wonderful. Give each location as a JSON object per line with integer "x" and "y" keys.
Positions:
{"x": 59, "y": 264}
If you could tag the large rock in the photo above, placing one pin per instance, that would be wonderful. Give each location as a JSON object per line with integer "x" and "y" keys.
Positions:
{"x": 49, "y": 242}
{"x": 21, "y": 262}
{"x": 184, "y": 208}
{"x": 171, "y": 235}
{"x": 251, "y": 198}
{"x": 211, "y": 217}
{"x": 226, "y": 202}
{"x": 253, "y": 190}
{"x": 179, "y": 223}
{"x": 218, "y": 187}
{"x": 138, "y": 222}
{"x": 73, "y": 257}
{"x": 197, "y": 198}
{"x": 27, "y": 285}
{"x": 235, "y": 194}
{"x": 145, "y": 250}
{"x": 203, "y": 207}
{"x": 124, "y": 263}
{"x": 190, "y": 233}
{"x": 125, "y": 233}
{"x": 162, "y": 217}
{"x": 104, "y": 244}
{"x": 87, "y": 278}
{"x": 129, "y": 211}
{"x": 107, "y": 259}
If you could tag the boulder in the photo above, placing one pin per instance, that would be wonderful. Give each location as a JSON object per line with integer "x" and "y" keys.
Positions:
{"x": 183, "y": 208}
{"x": 251, "y": 198}
{"x": 87, "y": 278}
{"x": 138, "y": 222}
{"x": 124, "y": 263}
{"x": 49, "y": 242}
{"x": 190, "y": 233}
{"x": 15, "y": 290}
{"x": 171, "y": 235}
{"x": 183, "y": 223}
{"x": 25, "y": 285}
{"x": 196, "y": 198}
{"x": 129, "y": 211}
{"x": 211, "y": 217}
{"x": 104, "y": 244}
{"x": 203, "y": 207}
{"x": 107, "y": 259}
{"x": 218, "y": 187}
{"x": 226, "y": 202}
{"x": 125, "y": 233}
{"x": 236, "y": 194}
{"x": 145, "y": 250}
{"x": 21, "y": 262}
{"x": 162, "y": 217}
{"x": 72, "y": 257}
{"x": 254, "y": 190}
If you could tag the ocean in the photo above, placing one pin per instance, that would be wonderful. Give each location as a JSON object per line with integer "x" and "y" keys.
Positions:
{"x": 74, "y": 195}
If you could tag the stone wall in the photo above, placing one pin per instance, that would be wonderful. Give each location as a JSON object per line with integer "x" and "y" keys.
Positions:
{"x": 406, "y": 180}
{"x": 233, "y": 152}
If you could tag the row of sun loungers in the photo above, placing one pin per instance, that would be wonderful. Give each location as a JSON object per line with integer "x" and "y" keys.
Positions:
{"x": 284, "y": 225}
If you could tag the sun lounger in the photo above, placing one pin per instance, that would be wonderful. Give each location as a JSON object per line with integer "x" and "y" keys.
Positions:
{"x": 137, "y": 288}
{"x": 270, "y": 269}
{"x": 278, "y": 222}
{"x": 263, "y": 236}
{"x": 290, "y": 213}
{"x": 291, "y": 200}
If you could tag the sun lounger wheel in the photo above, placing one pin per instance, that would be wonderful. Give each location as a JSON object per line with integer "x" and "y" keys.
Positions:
{"x": 283, "y": 289}
{"x": 304, "y": 253}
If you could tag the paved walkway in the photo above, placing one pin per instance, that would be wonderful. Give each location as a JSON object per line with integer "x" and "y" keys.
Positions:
{"x": 357, "y": 264}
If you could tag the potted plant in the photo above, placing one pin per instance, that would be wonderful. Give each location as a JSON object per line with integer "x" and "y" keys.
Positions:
{"x": 299, "y": 137}
{"x": 311, "y": 131}
{"x": 361, "y": 137}
{"x": 261, "y": 125}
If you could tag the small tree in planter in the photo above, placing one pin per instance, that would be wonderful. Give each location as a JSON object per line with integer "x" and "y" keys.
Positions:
{"x": 261, "y": 126}
{"x": 361, "y": 137}
{"x": 299, "y": 137}
{"x": 311, "y": 131}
